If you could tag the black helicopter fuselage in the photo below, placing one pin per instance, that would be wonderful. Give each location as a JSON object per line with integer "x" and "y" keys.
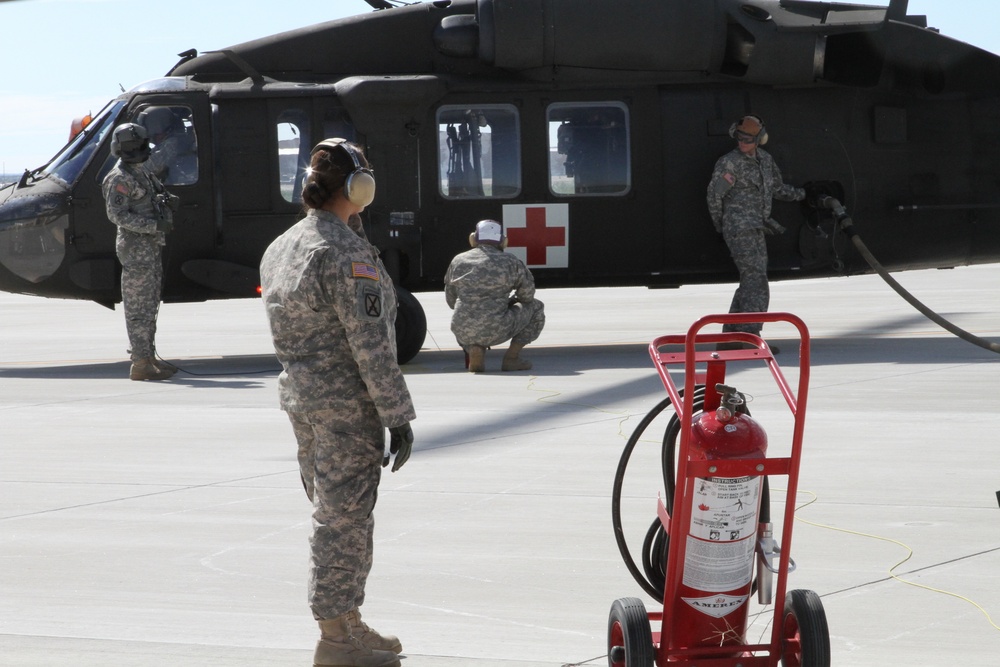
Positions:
{"x": 590, "y": 127}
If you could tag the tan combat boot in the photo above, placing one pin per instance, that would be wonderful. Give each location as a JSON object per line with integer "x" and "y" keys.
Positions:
{"x": 477, "y": 359}
{"x": 512, "y": 360}
{"x": 146, "y": 369}
{"x": 164, "y": 366}
{"x": 369, "y": 636}
{"x": 337, "y": 647}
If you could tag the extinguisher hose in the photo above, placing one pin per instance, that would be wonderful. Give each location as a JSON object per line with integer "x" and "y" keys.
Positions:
{"x": 847, "y": 225}
{"x": 650, "y": 581}
{"x": 656, "y": 544}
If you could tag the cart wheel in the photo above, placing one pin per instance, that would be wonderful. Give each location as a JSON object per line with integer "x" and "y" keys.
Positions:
{"x": 630, "y": 640}
{"x": 805, "y": 637}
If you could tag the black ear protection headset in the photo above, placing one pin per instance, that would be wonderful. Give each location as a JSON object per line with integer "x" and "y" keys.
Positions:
{"x": 761, "y": 137}
{"x": 359, "y": 186}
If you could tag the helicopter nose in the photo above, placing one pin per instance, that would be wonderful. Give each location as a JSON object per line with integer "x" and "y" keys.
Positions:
{"x": 33, "y": 229}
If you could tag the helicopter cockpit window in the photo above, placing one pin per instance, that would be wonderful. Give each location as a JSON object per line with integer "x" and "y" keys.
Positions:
{"x": 174, "y": 159}
{"x": 293, "y": 148}
{"x": 589, "y": 149}
{"x": 67, "y": 165}
{"x": 479, "y": 151}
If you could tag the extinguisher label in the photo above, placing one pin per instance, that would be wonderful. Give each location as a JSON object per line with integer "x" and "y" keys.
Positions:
{"x": 720, "y": 543}
{"x": 725, "y": 508}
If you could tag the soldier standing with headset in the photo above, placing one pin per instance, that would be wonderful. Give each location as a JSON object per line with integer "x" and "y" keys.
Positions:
{"x": 743, "y": 183}
{"x": 137, "y": 203}
{"x": 331, "y": 307}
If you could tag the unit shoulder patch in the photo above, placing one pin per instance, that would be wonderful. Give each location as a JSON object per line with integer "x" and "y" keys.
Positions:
{"x": 369, "y": 301}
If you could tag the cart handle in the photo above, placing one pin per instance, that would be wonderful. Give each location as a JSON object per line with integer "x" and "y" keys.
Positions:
{"x": 795, "y": 401}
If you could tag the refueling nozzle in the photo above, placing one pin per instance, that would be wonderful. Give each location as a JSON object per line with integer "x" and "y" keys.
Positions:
{"x": 832, "y": 204}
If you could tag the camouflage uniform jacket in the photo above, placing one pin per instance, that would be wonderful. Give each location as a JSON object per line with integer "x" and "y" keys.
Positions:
{"x": 129, "y": 193}
{"x": 332, "y": 310}
{"x": 742, "y": 188}
{"x": 478, "y": 286}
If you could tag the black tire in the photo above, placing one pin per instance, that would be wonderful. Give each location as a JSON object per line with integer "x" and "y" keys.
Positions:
{"x": 805, "y": 636}
{"x": 630, "y": 639}
{"x": 411, "y": 326}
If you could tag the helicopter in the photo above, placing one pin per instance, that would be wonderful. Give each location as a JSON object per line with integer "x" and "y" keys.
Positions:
{"x": 588, "y": 127}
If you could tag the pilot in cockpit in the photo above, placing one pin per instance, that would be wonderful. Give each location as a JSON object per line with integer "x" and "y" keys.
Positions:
{"x": 174, "y": 159}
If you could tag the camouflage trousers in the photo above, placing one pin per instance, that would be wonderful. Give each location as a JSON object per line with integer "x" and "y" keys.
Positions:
{"x": 142, "y": 285}
{"x": 340, "y": 471}
{"x": 749, "y": 252}
{"x": 522, "y": 324}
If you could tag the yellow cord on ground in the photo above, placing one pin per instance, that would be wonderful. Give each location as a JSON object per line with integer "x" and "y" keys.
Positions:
{"x": 891, "y": 569}
{"x": 552, "y": 394}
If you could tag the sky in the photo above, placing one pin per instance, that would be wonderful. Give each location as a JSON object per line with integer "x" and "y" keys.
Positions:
{"x": 65, "y": 58}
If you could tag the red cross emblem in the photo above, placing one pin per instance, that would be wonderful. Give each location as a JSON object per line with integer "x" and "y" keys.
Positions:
{"x": 538, "y": 233}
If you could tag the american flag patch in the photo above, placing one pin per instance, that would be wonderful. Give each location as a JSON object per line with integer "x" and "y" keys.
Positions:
{"x": 122, "y": 188}
{"x": 362, "y": 270}
{"x": 729, "y": 178}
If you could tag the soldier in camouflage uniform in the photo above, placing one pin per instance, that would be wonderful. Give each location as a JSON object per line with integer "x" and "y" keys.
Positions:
{"x": 174, "y": 157}
{"x": 331, "y": 307}
{"x": 744, "y": 182}
{"x": 493, "y": 296}
{"x": 142, "y": 210}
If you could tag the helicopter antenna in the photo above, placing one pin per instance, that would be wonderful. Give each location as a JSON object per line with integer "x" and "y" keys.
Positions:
{"x": 897, "y": 10}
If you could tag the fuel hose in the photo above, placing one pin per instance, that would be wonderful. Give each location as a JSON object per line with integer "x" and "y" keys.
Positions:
{"x": 847, "y": 225}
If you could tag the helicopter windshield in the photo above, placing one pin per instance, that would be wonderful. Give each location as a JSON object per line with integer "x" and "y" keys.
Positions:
{"x": 70, "y": 161}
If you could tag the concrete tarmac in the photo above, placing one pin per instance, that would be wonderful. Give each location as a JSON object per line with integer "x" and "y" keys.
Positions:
{"x": 163, "y": 523}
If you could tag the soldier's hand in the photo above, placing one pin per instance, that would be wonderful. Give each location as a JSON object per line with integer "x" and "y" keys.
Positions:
{"x": 173, "y": 202}
{"x": 400, "y": 445}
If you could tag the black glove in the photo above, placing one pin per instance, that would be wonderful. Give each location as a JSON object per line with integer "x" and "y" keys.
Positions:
{"x": 400, "y": 444}
{"x": 164, "y": 226}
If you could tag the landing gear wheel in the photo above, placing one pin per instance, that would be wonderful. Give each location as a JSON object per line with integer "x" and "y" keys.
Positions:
{"x": 411, "y": 326}
{"x": 630, "y": 639}
{"x": 805, "y": 636}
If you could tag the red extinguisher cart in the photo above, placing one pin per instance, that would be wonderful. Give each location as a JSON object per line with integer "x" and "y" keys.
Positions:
{"x": 711, "y": 545}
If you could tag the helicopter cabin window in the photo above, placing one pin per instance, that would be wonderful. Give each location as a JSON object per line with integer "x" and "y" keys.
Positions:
{"x": 589, "y": 149}
{"x": 293, "y": 149}
{"x": 174, "y": 158}
{"x": 478, "y": 151}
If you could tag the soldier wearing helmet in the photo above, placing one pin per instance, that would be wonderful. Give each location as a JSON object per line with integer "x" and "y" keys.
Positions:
{"x": 743, "y": 185}
{"x": 493, "y": 296}
{"x": 142, "y": 209}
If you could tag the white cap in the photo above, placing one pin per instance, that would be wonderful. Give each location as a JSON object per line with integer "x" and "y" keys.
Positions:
{"x": 489, "y": 231}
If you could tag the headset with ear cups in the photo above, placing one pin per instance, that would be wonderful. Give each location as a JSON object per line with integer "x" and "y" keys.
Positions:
{"x": 359, "y": 186}
{"x": 761, "y": 136}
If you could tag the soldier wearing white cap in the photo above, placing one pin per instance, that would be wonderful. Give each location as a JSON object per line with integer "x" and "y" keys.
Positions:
{"x": 493, "y": 296}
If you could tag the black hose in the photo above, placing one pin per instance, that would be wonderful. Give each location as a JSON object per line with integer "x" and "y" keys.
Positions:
{"x": 654, "y": 591}
{"x": 652, "y": 578}
{"x": 656, "y": 543}
{"x": 847, "y": 225}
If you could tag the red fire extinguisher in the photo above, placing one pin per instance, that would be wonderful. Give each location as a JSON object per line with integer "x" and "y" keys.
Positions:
{"x": 711, "y": 605}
